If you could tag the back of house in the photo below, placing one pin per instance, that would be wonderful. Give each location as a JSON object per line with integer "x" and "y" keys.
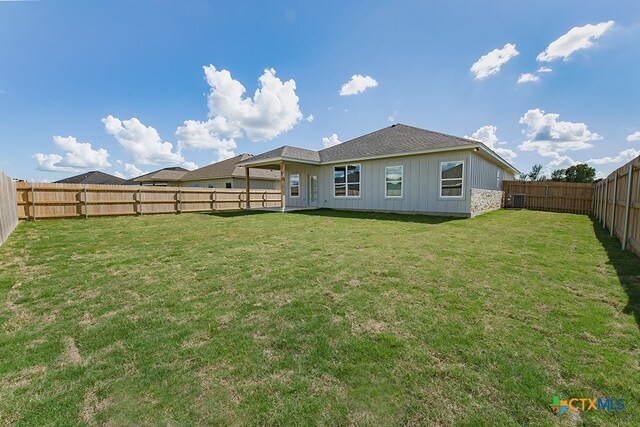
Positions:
{"x": 396, "y": 169}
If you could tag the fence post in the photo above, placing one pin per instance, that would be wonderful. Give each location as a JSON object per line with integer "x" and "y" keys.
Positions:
{"x": 140, "y": 201}
{"x": 606, "y": 203}
{"x": 179, "y": 199}
{"x": 615, "y": 202}
{"x": 625, "y": 229}
{"x": 546, "y": 197}
{"x": 602, "y": 201}
{"x": 86, "y": 207}
{"x": 33, "y": 202}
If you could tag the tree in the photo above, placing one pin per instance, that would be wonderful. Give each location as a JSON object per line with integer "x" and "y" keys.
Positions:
{"x": 559, "y": 175}
{"x": 580, "y": 173}
{"x": 534, "y": 175}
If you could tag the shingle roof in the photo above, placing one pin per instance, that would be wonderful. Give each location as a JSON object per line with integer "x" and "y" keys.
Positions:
{"x": 289, "y": 153}
{"x": 93, "y": 177}
{"x": 228, "y": 168}
{"x": 397, "y": 139}
{"x": 392, "y": 140}
{"x": 166, "y": 174}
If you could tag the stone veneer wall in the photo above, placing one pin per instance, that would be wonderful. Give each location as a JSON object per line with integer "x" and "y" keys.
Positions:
{"x": 485, "y": 201}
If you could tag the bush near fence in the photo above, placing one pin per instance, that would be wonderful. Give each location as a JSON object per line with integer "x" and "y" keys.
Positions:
{"x": 43, "y": 201}
{"x": 617, "y": 204}
{"x": 8, "y": 214}
{"x": 569, "y": 197}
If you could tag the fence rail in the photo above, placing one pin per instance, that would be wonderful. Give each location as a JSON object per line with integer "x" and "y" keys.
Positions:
{"x": 617, "y": 204}
{"x": 8, "y": 214}
{"x": 552, "y": 196}
{"x": 43, "y": 201}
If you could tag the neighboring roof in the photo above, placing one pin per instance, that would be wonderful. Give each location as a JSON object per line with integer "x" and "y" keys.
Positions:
{"x": 395, "y": 140}
{"x": 229, "y": 169}
{"x": 163, "y": 175}
{"x": 93, "y": 177}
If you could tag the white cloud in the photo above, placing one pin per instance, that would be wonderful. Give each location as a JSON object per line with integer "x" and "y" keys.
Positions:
{"x": 273, "y": 109}
{"x": 490, "y": 64}
{"x": 488, "y": 135}
{"x": 549, "y": 137}
{"x": 331, "y": 141}
{"x": 528, "y": 77}
{"x": 623, "y": 157}
{"x": 634, "y": 136}
{"x": 576, "y": 39}
{"x": 142, "y": 142}
{"x": 544, "y": 70}
{"x": 192, "y": 166}
{"x": 132, "y": 171}
{"x": 391, "y": 119}
{"x": 205, "y": 135}
{"x": 310, "y": 118}
{"x": 357, "y": 84}
{"x": 78, "y": 156}
{"x": 558, "y": 162}
{"x": 51, "y": 163}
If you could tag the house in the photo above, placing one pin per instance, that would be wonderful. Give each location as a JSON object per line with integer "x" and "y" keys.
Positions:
{"x": 93, "y": 177}
{"x": 227, "y": 174}
{"x": 162, "y": 177}
{"x": 396, "y": 169}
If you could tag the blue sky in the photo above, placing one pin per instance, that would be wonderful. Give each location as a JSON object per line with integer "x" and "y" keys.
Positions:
{"x": 124, "y": 76}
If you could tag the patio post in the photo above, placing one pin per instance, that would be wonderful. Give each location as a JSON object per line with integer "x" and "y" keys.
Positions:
{"x": 282, "y": 184}
{"x": 247, "y": 183}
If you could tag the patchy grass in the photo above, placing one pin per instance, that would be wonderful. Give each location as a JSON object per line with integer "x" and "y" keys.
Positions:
{"x": 316, "y": 318}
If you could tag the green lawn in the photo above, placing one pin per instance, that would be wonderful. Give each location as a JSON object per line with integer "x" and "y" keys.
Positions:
{"x": 317, "y": 318}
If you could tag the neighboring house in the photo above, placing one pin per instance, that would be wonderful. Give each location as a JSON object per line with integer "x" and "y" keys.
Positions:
{"x": 397, "y": 169}
{"x": 163, "y": 177}
{"x": 93, "y": 177}
{"x": 226, "y": 174}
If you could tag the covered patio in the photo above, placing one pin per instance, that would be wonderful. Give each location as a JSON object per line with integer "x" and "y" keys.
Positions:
{"x": 298, "y": 176}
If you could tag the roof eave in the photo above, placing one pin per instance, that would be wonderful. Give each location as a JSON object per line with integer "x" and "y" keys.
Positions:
{"x": 403, "y": 154}
{"x": 273, "y": 160}
{"x": 497, "y": 158}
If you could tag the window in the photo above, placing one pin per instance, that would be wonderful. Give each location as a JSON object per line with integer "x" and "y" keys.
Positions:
{"x": 346, "y": 181}
{"x": 498, "y": 180}
{"x": 194, "y": 185}
{"x": 227, "y": 185}
{"x": 294, "y": 185}
{"x": 451, "y": 179}
{"x": 393, "y": 181}
{"x": 210, "y": 185}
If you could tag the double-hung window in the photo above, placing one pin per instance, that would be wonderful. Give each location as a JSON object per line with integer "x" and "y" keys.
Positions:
{"x": 294, "y": 185}
{"x": 346, "y": 181}
{"x": 393, "y": 176}
{"x": 452, "y": 179}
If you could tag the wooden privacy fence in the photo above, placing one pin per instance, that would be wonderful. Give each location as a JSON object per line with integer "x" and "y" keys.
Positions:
{"x": 8, "y": 214}
{"x": 570, "y": 197}
{"x": 41, "y": 201}
{"x": 617, "y": 204}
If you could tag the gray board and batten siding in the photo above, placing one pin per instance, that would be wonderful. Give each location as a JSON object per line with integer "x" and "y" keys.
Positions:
{"x": 420, "y": 184}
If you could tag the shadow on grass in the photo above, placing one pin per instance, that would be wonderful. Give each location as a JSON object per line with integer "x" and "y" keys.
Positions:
{"x": 378, "y": 216}
{"x": 627, "y": 267}
{"x": 235, "y": 214}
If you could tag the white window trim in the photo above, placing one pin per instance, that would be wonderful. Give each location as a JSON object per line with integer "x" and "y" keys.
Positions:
{"x": 464, "y": 170}
{"x": 401, "y": 182}
{"x": 290, "y": 186}
{"x": 346, "y": 188}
